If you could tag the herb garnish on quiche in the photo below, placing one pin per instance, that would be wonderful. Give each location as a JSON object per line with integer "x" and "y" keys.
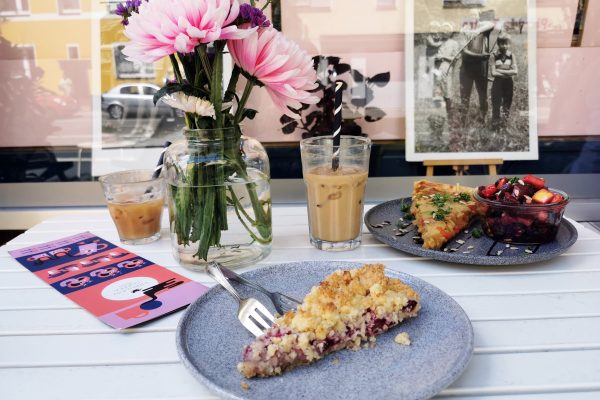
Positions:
{"x": 441, "y": 211}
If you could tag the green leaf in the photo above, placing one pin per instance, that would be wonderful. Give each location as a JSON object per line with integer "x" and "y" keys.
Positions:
{"x": 404, "y": 207}
{"x": 477, "y": 233}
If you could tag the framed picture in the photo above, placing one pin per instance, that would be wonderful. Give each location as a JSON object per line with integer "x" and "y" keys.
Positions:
{"x": 471, "y": 80}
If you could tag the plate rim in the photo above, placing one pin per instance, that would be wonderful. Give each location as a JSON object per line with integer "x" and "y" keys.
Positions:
{"x": 460, "y": 258}
{"x": 457, "y": 369}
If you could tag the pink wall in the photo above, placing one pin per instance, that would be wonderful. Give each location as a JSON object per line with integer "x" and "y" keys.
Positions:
{"x": 591, "y": 33}
{"x": 567, "y": 83}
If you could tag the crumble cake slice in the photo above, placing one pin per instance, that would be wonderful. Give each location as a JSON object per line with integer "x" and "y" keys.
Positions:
{"x": 441, "y": 211}
{"x": 347, "y": 308}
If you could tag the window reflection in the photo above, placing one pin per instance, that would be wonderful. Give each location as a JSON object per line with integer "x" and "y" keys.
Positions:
{"x": 54, "y": 73}
{"x": 14, "y": 7}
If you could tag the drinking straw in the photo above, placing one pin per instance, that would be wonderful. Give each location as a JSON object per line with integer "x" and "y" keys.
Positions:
{"x": 159, "y": 165}
{"x": 337, "y": 124}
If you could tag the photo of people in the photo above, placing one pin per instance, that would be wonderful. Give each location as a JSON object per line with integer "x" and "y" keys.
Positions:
{"x": 470, "y": 79}
{"x": 463, "y": 3}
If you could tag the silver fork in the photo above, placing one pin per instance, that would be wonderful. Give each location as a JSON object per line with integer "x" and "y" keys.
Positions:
{"x": 252, "y": 314}
{"x": 282, "y": 302}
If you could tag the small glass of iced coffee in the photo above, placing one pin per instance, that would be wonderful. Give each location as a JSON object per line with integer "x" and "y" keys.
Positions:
{"x": 135, "y": 201}
{"x": 335, "y": 190}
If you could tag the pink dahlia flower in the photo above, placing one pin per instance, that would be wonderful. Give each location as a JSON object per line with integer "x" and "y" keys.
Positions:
{"x": 286, "y": 70}
{"x": 164, "y": 27}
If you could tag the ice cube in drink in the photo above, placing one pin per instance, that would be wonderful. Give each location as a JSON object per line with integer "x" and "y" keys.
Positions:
{"x": 335, "y": 202}
{"x": 137, "y": 221}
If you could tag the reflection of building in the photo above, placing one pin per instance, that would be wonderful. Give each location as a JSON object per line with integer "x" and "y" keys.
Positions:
{"x": 115, "y": 68}
{"x": 50, "y": 44}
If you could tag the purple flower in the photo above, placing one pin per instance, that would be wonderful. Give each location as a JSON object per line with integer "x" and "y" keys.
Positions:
{"x": 126, "y": 9}
{"x": 254, "y": 16}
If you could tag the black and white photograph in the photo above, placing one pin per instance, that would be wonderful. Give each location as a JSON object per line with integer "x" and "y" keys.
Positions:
{"x": 471, "y": 80}
{"x": 463, "y": 3}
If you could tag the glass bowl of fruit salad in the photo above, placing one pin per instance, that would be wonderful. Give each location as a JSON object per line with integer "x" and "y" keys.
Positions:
{"x": 521, "y": 210}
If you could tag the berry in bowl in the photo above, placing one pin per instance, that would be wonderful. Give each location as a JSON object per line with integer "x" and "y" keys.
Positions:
{"x": 523, "y": 211}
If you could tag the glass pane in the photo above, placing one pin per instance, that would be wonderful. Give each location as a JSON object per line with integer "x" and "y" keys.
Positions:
{"x": 8, "y": 6}
{"x": 130, "y": 90}
{"x": 62, "y": 105}
{"x": 149, "y": 90}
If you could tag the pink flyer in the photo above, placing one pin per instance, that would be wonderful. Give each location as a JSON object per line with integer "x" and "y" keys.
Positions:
{"x": 119, "y": 287}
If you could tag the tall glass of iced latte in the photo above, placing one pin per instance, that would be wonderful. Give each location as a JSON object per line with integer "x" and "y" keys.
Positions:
{"x": 135, "y": 201}
{"x": 335, "y": 195}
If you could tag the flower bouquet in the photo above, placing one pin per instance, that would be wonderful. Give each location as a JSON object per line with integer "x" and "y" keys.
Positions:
{"x": 216, "y": 175}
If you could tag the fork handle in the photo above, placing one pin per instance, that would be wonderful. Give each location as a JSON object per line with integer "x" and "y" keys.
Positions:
{"x": 214, "y": 270}
{"x": 229, "y": 274}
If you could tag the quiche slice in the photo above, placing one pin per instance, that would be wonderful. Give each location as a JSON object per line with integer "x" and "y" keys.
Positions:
{"x": 441, "y": 211}
{"x": 347, "y": 308}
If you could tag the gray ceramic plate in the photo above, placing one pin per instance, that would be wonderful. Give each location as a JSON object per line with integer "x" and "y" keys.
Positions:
{"x": 478, "y": 251}
{"x": 210, "y": 341}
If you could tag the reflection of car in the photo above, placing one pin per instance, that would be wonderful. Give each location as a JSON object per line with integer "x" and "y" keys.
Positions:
{"x": 54, "y": 104}
{"x": 136, "y": 98}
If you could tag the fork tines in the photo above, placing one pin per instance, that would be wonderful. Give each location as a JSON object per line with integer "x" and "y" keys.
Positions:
{"x": 255, "y": 317}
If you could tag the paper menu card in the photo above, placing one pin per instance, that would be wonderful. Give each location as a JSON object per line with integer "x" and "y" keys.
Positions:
{"x": 119, "y": 287}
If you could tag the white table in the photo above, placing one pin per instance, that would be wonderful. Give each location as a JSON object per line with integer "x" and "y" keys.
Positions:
{"x": 537, "y": 327}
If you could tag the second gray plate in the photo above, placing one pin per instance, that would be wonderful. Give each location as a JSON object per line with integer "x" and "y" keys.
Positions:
{"x": 210, "y": 341}
{"x": 463, "y": 248}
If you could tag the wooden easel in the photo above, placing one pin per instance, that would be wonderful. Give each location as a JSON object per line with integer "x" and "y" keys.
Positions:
{"x": 461, "y": 166}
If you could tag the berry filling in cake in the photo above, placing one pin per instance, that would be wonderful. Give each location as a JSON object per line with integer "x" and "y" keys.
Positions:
{"x": 346, "y": 309}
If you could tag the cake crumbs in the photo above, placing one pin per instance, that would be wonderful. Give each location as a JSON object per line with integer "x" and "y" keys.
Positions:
{"x": 514, "y": 248}
{"x": 528, "y": 251}
{"x": 470, "y": 247}
{"x": 402, "y": 338}
{"x": 499, "y": 252}
{"x": 335, "y": 361}
{"x": 460, "y": 241}
{"x": 244, "y": 385}
{"x": 507, "y": 246}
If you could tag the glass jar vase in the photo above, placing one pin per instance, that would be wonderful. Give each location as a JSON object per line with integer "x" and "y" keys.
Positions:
{"x": 219, "y": 198}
